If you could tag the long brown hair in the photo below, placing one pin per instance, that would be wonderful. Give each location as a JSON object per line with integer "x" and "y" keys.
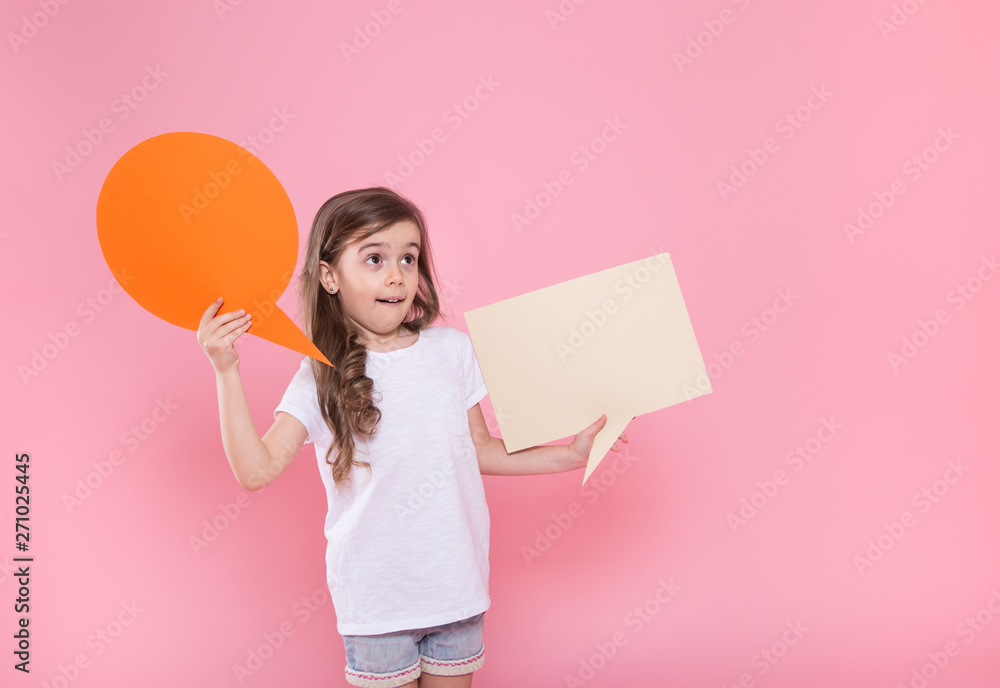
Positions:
{"x": 345, "y": 391}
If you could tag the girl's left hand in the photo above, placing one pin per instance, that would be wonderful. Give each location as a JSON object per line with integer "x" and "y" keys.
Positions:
{"x": 581, "y": 445}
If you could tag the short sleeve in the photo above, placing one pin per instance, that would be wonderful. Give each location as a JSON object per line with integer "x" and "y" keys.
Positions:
{"x": 475, "y": 386}
{"x": 299, "y": 400}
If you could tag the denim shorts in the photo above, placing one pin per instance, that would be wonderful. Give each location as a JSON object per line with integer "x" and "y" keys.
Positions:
{"x": 394, "y": 659}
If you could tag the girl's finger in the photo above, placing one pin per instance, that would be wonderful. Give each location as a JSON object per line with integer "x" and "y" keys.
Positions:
{"x": 219, "y": 322}
{"x": 230, "y": 327}
{"x": 231, "y": 315}
{"x": 210, "y": 312}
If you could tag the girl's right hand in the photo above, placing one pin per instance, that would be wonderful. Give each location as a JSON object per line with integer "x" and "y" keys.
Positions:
{"x": 218, "y": 333}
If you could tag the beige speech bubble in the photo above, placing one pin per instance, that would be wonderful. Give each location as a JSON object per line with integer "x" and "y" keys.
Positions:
{"x": 618, "y": 342}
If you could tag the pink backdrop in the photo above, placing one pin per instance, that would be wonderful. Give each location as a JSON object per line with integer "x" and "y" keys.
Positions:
{"x": 823, "y": 176}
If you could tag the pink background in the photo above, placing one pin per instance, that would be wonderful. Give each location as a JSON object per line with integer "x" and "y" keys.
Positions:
{"x": 653, "y": 187}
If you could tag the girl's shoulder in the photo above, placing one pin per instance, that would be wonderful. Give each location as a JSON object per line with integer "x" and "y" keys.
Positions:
{"x": 438, "y": 331}
{"x": 445, "y": 334}
{"x": 304, "y": 375}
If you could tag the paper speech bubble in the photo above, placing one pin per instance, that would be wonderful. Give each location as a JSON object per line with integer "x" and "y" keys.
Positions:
{"x": 618, "y": 342}
{"x": 190, "y": 217}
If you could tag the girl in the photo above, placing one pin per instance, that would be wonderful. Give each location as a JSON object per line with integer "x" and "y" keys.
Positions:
{"x": 407, "y": 523}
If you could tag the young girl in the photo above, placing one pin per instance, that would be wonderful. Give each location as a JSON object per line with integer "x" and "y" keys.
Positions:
{"x": 400, "y": 441}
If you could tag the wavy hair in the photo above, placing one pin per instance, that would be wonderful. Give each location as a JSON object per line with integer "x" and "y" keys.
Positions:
{"x": 345, "y": 392}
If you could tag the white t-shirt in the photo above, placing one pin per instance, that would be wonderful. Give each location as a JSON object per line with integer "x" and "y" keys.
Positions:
{"x": 408, "y": 547}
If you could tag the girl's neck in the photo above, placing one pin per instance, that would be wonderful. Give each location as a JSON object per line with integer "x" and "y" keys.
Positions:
{"x": 402, "y": 340}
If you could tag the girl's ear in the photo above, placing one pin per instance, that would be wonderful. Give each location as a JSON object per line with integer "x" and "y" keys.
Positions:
{"x": 327, "y": 278}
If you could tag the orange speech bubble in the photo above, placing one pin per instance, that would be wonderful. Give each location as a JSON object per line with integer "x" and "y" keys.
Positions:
{"x": 190, "y": 217}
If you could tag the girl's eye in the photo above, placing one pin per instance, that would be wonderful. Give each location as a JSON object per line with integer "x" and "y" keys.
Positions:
{"x": 412, "y": 258}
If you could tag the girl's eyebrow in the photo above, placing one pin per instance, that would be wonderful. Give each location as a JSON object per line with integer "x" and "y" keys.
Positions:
{"x": 381, "y": 244}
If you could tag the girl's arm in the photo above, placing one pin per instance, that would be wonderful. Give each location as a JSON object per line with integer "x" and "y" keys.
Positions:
{"x": 255, "y": 461}
{"x": 495, "y": 460}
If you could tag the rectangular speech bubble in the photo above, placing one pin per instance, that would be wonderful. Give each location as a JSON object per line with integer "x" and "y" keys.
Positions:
{"x": 618, "y": 341}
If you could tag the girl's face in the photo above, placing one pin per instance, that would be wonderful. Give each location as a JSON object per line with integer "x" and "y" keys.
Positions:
{"x": 370, "y": 272}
